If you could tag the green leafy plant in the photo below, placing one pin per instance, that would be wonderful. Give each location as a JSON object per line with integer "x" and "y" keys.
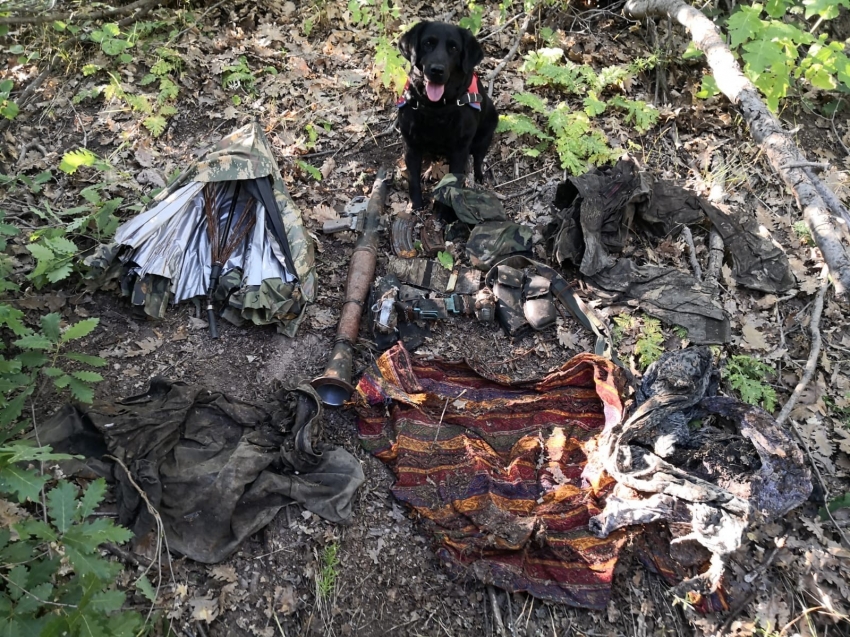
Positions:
{"x": 446, "y": 260}
{"x": 390, "y": 64}
{"x": 56, "y": 583}
{"x": 781, "y": 50}
{"x": 328, "y": 574}
{"x": 8, "y": 108}
{"x": 310, "y": 170}
{"x": 472, "y": 21}
{"x": 622, "y": 324}
{"x": 745, "y": 375}
{"x": 578, "y": 142}
{"x": 649, "y": 345}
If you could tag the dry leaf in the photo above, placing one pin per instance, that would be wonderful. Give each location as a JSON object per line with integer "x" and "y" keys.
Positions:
{"x": 286, "y": 600}
{"x": 204, "y": 609}
{"x": 327, "y": 167}
{"x": 224, "y": 573}
{"x": 321, "y": 317}
{"x": 322, "y": 213}
{"x": 146, "y": 346}
{"x": 752, "y": 338}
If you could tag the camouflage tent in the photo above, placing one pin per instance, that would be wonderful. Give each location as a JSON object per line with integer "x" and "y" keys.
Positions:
{"x": 163, "y": 255}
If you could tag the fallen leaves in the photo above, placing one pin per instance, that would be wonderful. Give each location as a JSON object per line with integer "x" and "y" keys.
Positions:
{"x": 753, "y": 339}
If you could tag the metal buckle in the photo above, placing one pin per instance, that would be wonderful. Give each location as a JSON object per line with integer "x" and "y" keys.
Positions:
{"x": 454, "y": 304}
{"x": 426, "y": 315}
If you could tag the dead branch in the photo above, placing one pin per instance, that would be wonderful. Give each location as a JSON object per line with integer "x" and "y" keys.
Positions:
{"x": 491, "y": 76}
{"x": 814, "y": 352}
{"x": 829, "y": 197}
{"x": 692, "y": 253}
{"x": 715, "y": 258}
{"x": 41, "y": 18}
{"x": 808, "y": 164}
{"x": 497, "y": 614}
{"x": 777, "y": 144}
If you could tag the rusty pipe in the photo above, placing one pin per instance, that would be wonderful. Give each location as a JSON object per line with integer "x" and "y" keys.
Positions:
{"x": 334, "y": 385}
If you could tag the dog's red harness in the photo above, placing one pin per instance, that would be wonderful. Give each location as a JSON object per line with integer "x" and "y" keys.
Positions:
{"x": 471, "y": 98}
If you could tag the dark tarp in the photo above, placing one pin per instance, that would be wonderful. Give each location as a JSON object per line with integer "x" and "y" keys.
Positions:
{"x": 671, "y": 295}
{"x": 216, "y": 468}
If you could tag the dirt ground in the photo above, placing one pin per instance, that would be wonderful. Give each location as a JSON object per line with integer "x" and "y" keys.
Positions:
{"x": 388, "y": 580}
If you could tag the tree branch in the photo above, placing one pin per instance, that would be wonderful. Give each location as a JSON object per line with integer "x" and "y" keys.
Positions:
{"x": 766, "y": 130}
{"x": 73, "y": 15}
{"x": 491, "y": 76}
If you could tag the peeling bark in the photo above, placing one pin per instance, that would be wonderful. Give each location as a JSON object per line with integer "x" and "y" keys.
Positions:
{"x": 767, "y": 131}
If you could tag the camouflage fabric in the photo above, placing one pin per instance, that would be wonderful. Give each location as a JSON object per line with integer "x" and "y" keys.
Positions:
{"x": 245, "y": 154}
{"x": 471, "y": 206}
{"x": 492, "y": 241}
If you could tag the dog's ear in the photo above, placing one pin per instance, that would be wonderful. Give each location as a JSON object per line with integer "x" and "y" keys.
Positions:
{"x": 409, "y": 42}
{"x": 472, "y": 51}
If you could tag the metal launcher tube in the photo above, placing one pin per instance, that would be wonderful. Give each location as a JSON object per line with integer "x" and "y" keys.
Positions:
{"x": 334, "y": 385}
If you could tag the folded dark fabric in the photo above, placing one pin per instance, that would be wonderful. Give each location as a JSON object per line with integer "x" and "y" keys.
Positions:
{"x": 598, "y": 209}
{"x": 671, "y": 295}
{"x": 493, "y": 468}
{"x": 216, "y": 468}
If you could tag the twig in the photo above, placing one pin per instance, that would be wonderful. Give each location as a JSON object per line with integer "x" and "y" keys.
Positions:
{"x": 715, "y": 258}
{"x": 501, "y": 28}
{"x": 160, "y": 538}
{"x": 36, "y": 598}
{"x": 814, "y": 352}
{"x": 491, "y": 76}
{"x": 692, "y": 252}
{"x": 497, "y": 614}
{"x": 505, "y": 183}
{"x": 127, "y": 556}
{"x": 71, "y": 15}
{"x": 808, "y": 164}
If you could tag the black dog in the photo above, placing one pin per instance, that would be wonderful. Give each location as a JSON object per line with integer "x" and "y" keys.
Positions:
{"x": 444, "y": 111}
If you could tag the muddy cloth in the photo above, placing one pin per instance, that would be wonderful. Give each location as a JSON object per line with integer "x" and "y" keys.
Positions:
{"x": 493, "y": 469}
{"x": 598, "y": 209}
{"x": 671, "y": 295}
{"x": 707, "y": 465}
{"x": 469, "y": 205}
{"x": 217, "y": 469}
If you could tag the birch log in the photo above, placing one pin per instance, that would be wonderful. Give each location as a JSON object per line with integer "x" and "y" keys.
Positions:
{"x": 767, "y": 131}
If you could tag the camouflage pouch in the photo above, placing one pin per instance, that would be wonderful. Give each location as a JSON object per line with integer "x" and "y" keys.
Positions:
{"x": 470, "y": 206}
{"x": 493, "y": 241}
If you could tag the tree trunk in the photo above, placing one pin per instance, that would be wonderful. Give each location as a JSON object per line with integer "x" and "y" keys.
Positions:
{"x": 767, "y": 131}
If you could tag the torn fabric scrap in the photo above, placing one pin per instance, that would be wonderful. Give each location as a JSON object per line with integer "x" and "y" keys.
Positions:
{"x": 494, "y": 469}
{"x": 709, "y": 483}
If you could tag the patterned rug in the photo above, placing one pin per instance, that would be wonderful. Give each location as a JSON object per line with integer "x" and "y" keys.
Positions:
{"x": 494, "y": 469}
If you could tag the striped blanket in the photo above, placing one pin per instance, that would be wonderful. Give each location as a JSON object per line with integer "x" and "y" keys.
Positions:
{"x": 494, "y": 469}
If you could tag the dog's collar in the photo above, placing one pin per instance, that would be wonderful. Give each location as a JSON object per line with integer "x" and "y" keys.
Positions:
{"x": 411, "y": 96}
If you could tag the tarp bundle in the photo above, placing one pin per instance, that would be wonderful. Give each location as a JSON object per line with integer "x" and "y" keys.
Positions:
{"x": 163, "y": 255}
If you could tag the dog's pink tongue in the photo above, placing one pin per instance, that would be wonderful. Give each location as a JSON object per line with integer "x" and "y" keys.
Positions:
{"x": 434, "y": 91}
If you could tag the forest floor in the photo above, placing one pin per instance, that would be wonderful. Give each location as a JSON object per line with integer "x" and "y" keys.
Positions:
{"x": 324, "y": 104}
